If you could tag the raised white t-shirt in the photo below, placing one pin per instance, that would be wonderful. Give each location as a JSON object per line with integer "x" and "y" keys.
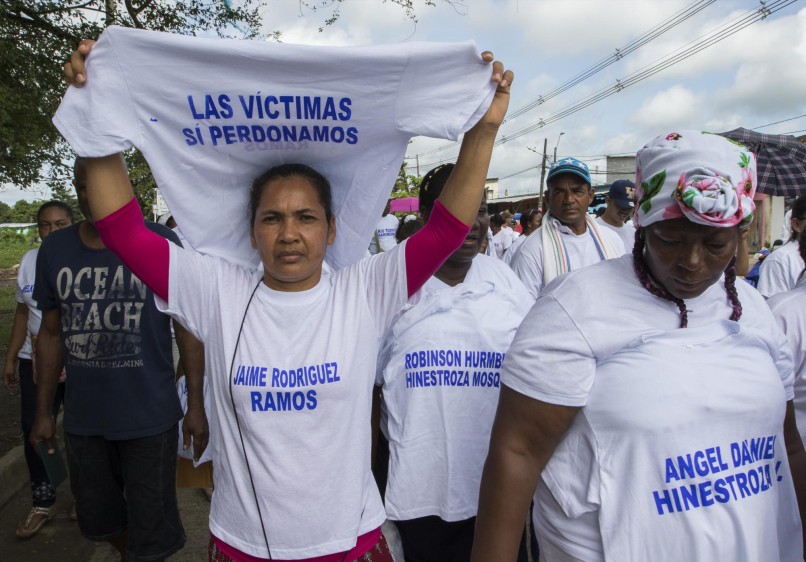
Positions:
{"x": 626, "y": 232}
{"x": 302, "y": 377}
{"x": 210, "y": 115}
{"x": 24, "y": 294}
{"x": 780, "y": 270}
{"x": 582, "y": 252}
{"x": 678, "y": 446}
{"x": 440, "y": 367}
{"x": 789, "y": 309}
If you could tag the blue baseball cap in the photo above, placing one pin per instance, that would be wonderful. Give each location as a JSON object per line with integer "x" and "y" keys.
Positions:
{"x": 570, "y": 166}
{"x": 622, "y": 193}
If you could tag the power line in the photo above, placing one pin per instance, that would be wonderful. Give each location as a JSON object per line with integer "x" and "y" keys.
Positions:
{"x": 648, "y": 36}
{"x": 706, "y": 41}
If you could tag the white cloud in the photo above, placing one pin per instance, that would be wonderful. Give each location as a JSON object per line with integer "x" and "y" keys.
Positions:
{"x": 672, "y": 107}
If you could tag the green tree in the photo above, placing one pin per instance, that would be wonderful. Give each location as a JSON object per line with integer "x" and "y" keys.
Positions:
{"x": 406, "y": 185}
{"x": 36, "y": 34}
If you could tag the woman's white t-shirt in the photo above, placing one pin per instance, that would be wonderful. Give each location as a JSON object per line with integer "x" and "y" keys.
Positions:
{"x": 789, "y": 309}
{"x": 440, "y": 367}
{"x": 302, "y": 374}
{"x": 780, "y": 270}
{"x": 502, "y": 242}
{"x": 678, "y": 446}
{"x": 24, "y": 294}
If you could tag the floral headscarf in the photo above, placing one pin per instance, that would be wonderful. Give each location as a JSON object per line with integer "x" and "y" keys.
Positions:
{"x": 705, "y": 178}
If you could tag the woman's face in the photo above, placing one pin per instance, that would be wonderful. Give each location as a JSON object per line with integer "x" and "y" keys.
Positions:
{"x": 687, "y": 258}
{"x": 535, "y": 221}
{"x": 50, "y": 219}
{"x": 291, "y": 233}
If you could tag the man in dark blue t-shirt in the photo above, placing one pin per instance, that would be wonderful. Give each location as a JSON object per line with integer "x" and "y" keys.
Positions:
{"x": 121, "y": 408}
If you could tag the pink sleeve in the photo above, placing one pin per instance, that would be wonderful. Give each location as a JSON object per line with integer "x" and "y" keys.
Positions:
{"x": 428, "y": 249}
{"x": 145, "y": 252}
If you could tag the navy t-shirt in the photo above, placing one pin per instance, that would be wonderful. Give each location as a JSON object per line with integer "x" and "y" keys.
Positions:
{"x": 116, "y": 345}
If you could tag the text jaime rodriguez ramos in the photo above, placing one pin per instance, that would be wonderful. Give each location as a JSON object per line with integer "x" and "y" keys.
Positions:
{"x": 257, "y": 118}
{"x": 718, "y": 475}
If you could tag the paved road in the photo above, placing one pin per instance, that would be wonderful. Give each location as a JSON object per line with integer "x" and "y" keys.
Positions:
{"x": 60, "y": 540}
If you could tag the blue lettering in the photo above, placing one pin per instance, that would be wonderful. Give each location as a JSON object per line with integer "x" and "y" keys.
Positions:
{"x": 346, "y": 110}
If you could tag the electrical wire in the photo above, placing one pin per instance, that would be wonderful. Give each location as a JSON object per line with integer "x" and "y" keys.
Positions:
{"x": 709, "y": 39}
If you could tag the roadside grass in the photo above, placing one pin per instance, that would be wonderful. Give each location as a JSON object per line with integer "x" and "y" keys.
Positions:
{"x": 12, "y": 248}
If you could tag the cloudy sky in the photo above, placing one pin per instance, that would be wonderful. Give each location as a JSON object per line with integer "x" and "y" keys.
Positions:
{"x": 752, "y": 77}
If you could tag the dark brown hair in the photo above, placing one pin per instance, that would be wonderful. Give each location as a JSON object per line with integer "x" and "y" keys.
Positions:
{"x": 283, "y": 171}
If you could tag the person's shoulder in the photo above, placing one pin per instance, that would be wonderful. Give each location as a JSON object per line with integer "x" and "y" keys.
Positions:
{"x": 60, "y": 238}
{"x": 29, "y": 257}
{"x": 163, "y": 231}
{"x": 612, "y": 279}
{"x": 533, "y": 244}
{"x": 788, "y": 303}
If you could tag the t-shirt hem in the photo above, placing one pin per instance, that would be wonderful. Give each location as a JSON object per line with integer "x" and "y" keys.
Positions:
{"x": 550, "y": 398}
{"x": 342, "y": 545}
{"x": 450, "y": 516}
{"x": 120, "y": 436}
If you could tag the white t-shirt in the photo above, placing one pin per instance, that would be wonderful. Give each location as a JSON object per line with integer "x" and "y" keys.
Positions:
{"x": 24, "y": 294}
{"x": 513, "y": 249}
{"x": 582, "y": 252}
{"x": 780, "y": 270}
{"x": 385, "y": 232}
{"x": 626, "y": 232}
{"x": 302, "y": 374}
{"x": 786, "y": 226}
{"x": 678, "y": 446}
{"x": 440, "y": 369}
{"x": 501, "y": 242}
{"x": 210, "y": 115}
{"x": 789, "y": 310}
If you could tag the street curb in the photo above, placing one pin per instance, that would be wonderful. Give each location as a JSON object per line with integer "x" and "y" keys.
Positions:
{"x": 13, "y": 475}
{"x": 14, "y": 470}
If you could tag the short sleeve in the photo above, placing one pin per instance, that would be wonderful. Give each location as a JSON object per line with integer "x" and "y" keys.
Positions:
{"x": 773, "y": 277}
{"x": 386, "y": 285}
{"x": 193, "y": 288}
{"x": 790, "y": 353}
{"x": 98, "y": 119}
{"x": 444, "y": 90}
{"x": 550, "y": 360}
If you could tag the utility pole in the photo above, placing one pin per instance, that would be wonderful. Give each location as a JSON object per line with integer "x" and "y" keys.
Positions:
{"x": 418, "y": 165}
{"x": 543, "y": 170}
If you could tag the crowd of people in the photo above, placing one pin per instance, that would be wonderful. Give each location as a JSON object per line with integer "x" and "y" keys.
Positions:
{"x": 587, "y": 389}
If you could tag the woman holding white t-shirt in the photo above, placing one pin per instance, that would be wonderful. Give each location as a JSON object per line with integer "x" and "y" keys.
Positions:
{"x": 440, "y": 374}
{"x": 299, "y": 348}
{"x": 659, "y": 423}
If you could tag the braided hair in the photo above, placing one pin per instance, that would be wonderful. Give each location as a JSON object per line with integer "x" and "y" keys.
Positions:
{"x": 645, "y": 278}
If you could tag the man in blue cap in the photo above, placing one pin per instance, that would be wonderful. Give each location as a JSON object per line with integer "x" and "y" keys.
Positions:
{"x": 619, "y": 207}
{"x": 568, "y": 238}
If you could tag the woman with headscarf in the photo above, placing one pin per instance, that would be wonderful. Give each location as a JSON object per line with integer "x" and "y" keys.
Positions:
{"x": 658, "y": 421}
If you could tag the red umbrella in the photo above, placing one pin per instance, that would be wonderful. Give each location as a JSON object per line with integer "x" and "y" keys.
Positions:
{"x": 404, "y": 205}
